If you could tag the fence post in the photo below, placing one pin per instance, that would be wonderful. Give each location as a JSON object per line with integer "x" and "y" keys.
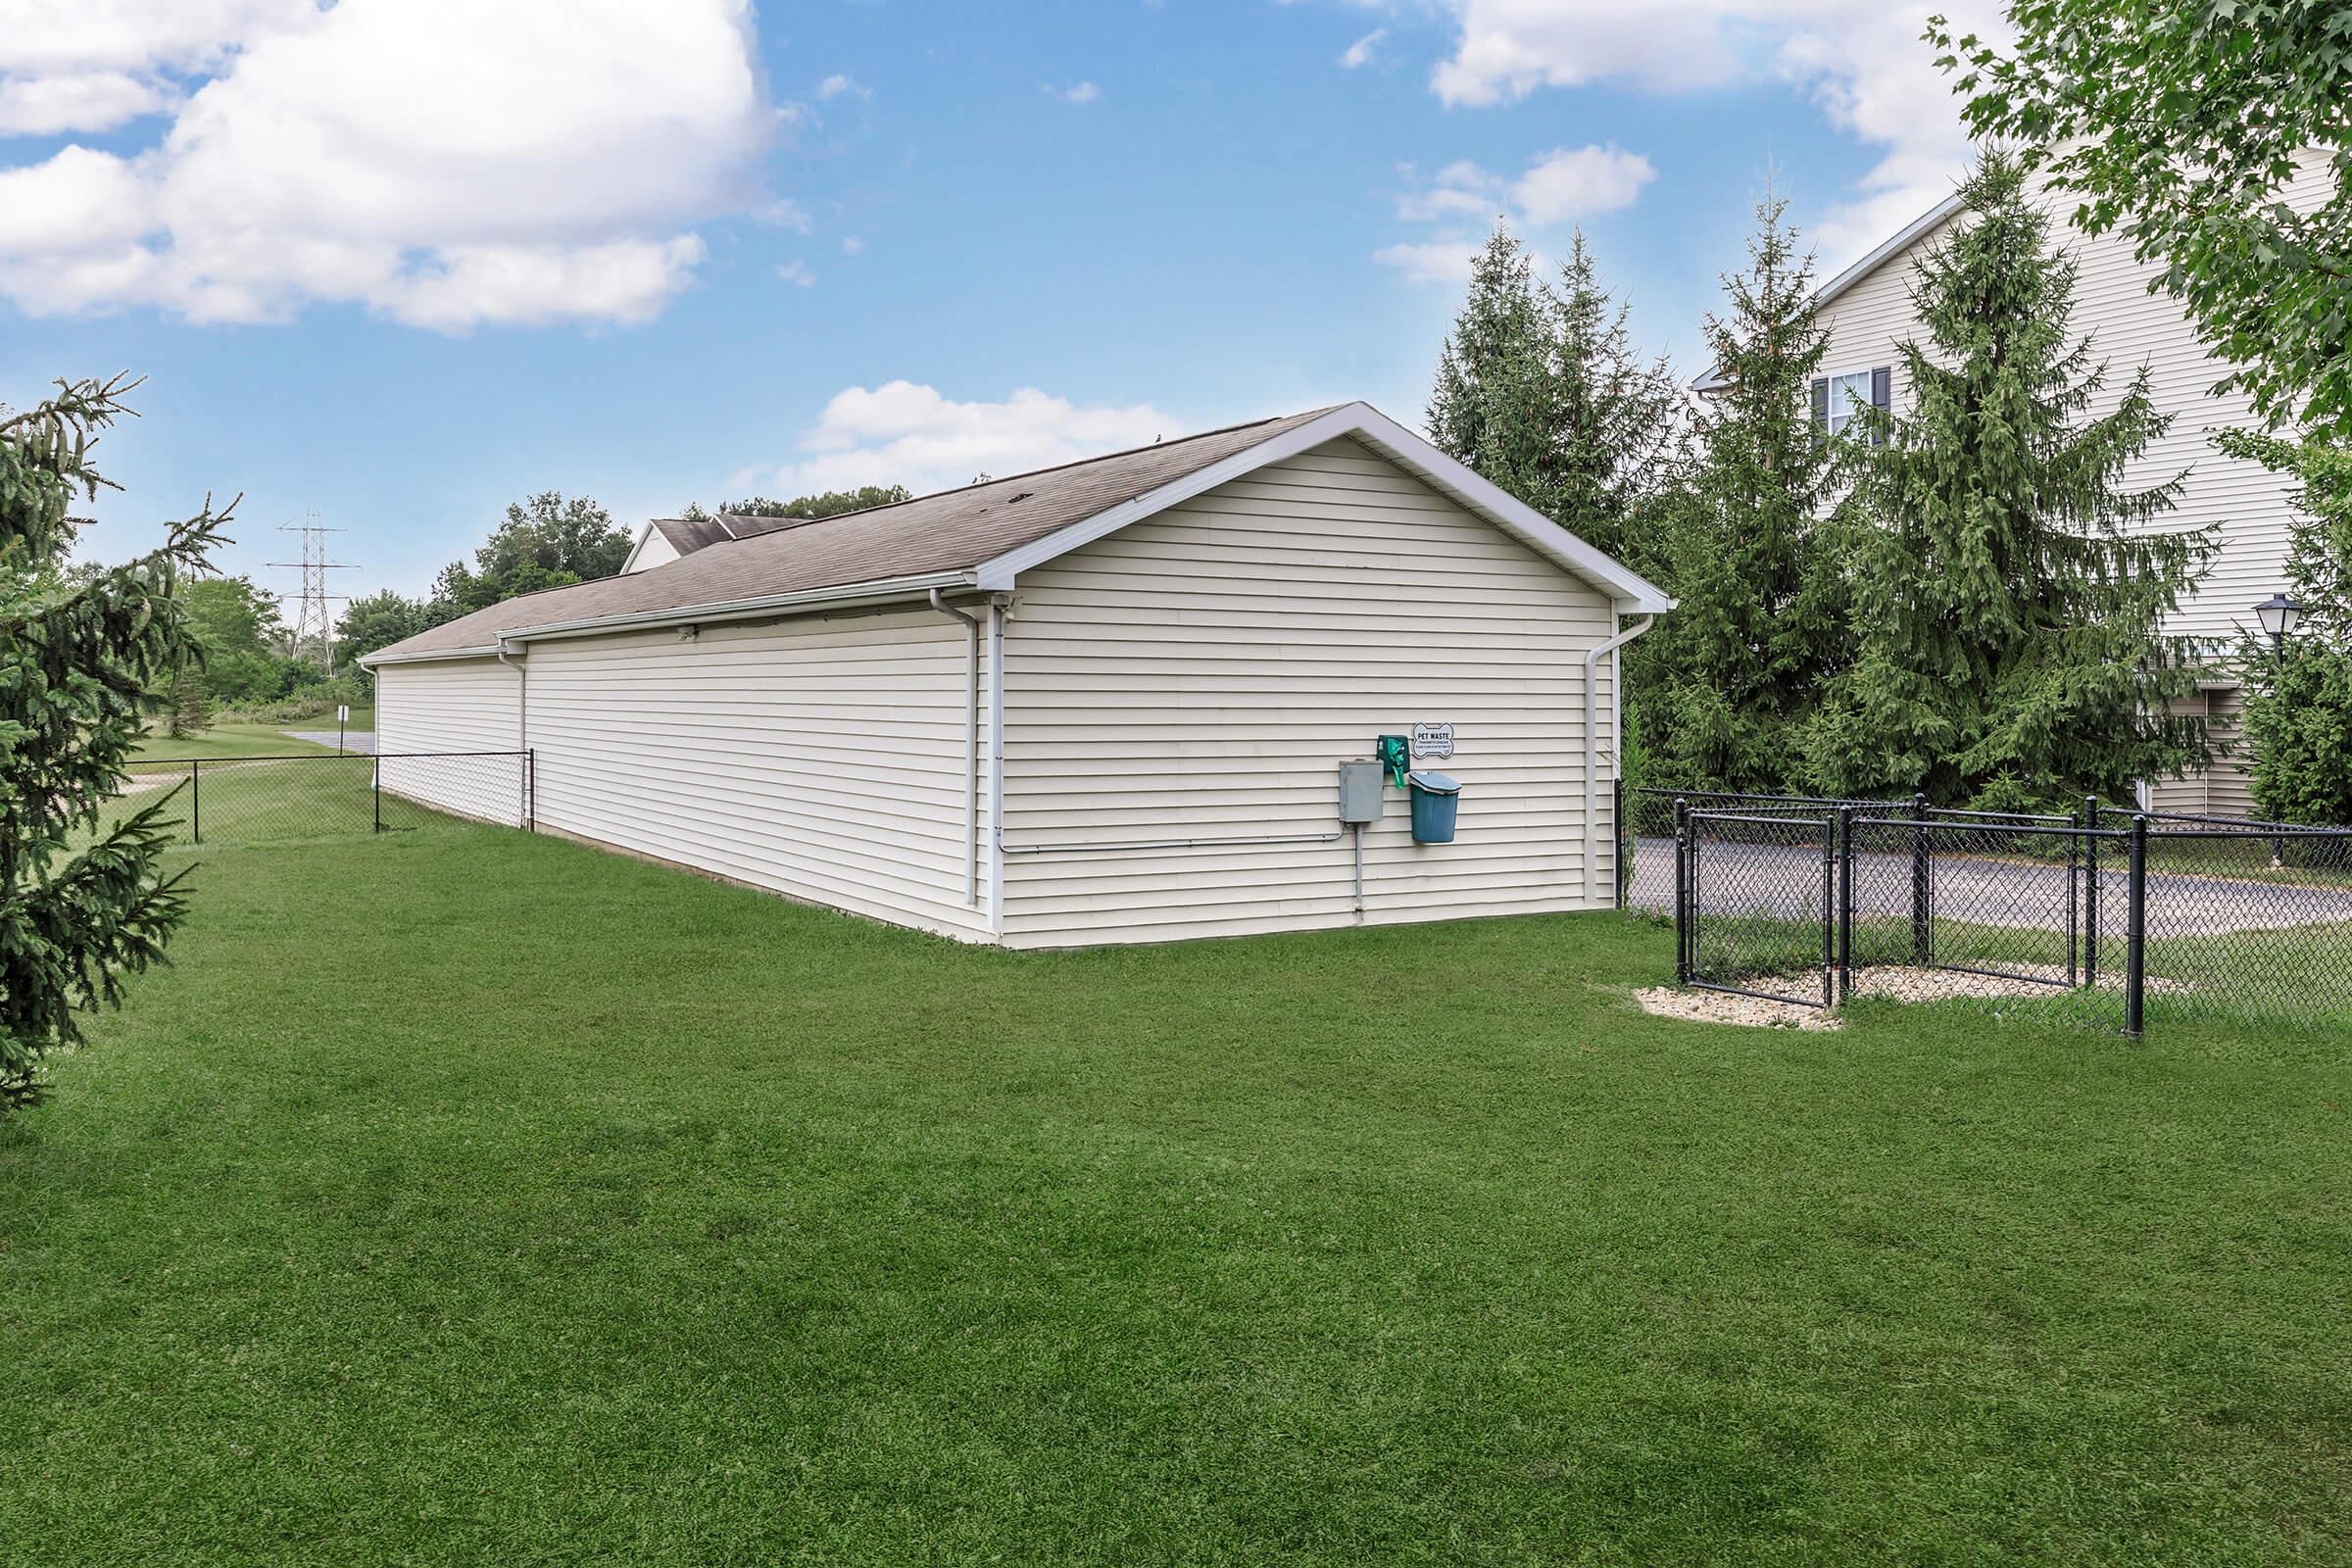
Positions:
{"x": 1845, "y": 901}
{"x": 1682, "y": 892}
{"x": 1922, "y": 899}
{"x": 530, "y": 801}
{"x": 2136, "y": 932}
{"x": 376, "y": 787}
{"x": 195, "y": 800}
{"x": 2091, "y": 885}
{"x": 1829, "y": 923}
{"x": 1617, "y": 830}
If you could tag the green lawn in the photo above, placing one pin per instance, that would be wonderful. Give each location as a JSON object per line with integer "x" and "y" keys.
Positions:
{"x": 230, "y": 739}
{"x": 464, "y": 1197}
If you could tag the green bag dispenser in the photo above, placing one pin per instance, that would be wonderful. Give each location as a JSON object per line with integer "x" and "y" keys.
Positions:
{"x": 1394, "y": 755}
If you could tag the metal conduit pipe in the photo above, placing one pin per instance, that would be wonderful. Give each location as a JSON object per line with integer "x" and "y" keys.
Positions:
{"x": 1592, "y": 660}
{"x": 971, "y": 746}
{"x": 1171, "y": 844}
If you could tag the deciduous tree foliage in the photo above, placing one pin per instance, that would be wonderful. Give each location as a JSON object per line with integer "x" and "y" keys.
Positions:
{"x": 1540, "y": 390}
{"x": 2179, "y": 121}
{"x": 2007, "y": 597}
{"x": 1759, "y": 591}
{"x": 80, "y": 903}
{"x": 824, "y": 504}
{"x": 545, "y": 542}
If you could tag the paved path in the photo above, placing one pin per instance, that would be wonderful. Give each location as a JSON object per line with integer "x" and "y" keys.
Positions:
{"x": 362, "y": 741}
{"x": 1784, "y": 881}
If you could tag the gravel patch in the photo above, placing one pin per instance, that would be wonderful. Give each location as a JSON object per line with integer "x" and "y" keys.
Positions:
{"x": 1721, "y": 1006}
{"x": 1901, "y": 982}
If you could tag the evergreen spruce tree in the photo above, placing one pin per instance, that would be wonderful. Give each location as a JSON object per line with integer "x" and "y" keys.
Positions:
{"x": 1540, "y": 390}
{"x": 1620, "y": 421}
{"x": 2008, "y": 591}
{"x": 1758, "y": 623}
{"x": 80, "y": 903}
{"x": 191, "y": 704}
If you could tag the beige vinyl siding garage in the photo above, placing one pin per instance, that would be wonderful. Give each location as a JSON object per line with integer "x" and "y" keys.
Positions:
{"x": 822, "y": 758}
{"x": 465, "y": 705}
{"x": 1199, "y": 674}
{"x": 1104, "y": 702}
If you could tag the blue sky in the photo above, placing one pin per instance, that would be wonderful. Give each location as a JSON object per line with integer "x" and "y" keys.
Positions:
{"x": 403, "y": 264}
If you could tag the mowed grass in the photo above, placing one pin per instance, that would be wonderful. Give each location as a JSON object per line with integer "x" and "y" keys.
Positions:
{"x": 232, "y": 738}
{"x": 466, "y": 1197}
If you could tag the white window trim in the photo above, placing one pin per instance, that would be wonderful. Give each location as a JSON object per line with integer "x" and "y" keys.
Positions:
{"x": 1835, "y": 378}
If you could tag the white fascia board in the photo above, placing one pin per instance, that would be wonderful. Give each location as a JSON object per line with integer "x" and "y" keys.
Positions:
{"x": 1903, "y": 241}
{"x": 846, "y": 595}
{"x": 1399, "y": 446}
{"x": 485, "y": 651}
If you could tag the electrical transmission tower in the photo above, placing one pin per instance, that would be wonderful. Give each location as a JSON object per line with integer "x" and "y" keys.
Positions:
{"x": 313, "y": 622}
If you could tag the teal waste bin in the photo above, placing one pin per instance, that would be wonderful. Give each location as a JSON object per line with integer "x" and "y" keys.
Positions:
{"x": 1435, "y": 796}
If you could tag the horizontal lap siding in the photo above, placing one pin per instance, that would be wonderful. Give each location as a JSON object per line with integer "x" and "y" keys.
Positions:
{"x": 466, "y": 704}
{"x": 2128, "y": 326}
{"x": 1202, "y": 674}
{"x": 821, "y": 758}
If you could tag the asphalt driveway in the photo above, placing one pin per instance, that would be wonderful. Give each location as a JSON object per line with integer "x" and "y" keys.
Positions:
{"x": 1784, "y": 881}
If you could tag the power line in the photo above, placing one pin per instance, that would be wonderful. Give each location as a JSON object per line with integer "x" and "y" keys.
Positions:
{"x": 313, "y": 622}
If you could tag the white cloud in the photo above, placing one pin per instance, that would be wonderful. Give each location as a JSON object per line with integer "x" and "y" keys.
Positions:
{"x": 1445, "y": 261}
{"x": 440, "y": 162}
{"x": 1561, "y": 185}
{"x": 1081, "y": 92}
{"x": 1576, "y": 182}
{"x": 852, "y": 245}
{"x": 786, "y": 212}
{"x": 90, "y": 100}
{"x": 838, "y": 86}
{"x": 1360, "y": 53}
{"x": 906, "y": 433}
{"x": 1861, "y": 60}
{"x": 797, "y": 274}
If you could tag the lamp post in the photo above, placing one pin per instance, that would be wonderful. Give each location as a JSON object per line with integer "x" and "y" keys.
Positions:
{"x": 2278, "y": 614}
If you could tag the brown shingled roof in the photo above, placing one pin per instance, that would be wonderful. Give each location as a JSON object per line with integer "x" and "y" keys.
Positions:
{"x": 954, "y": 530}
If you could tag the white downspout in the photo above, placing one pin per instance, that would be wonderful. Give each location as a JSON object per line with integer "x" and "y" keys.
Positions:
{"x": 522, "y": 699}
{"x": 997, "y": 610}
{"x": 1592, "y": 659}
{"x": 971, "y": 746}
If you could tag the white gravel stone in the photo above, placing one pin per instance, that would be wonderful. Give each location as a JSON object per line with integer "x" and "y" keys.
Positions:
{"x": 1901, "y": 982}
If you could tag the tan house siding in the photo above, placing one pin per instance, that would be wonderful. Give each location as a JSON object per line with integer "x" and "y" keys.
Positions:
{"x": 2128, "y": 326}
{"x": 1200, "y": 675}
{"x": 822, "y": 758}
{"x": 465, "y": 705}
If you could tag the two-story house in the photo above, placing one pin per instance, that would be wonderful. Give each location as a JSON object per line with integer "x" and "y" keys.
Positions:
{"x": 1868, "y": 312}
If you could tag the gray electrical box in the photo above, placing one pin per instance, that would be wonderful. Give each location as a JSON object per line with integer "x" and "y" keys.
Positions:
{"x": 1361, "y": 792}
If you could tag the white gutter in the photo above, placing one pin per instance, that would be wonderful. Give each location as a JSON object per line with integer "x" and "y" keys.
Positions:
{"x": 1592, "y": 658}
{"x": 483, "y": 651}
{"x": 881, "y": 590}
{"x": 971, "y": 745}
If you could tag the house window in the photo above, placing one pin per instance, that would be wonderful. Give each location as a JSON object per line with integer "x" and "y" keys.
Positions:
{"x": 1837, "y": 398}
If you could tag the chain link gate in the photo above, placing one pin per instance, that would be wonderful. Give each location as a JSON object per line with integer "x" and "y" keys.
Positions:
{"x": 1755, "y": 905}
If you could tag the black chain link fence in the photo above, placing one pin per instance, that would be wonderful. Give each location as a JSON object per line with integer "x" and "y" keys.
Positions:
{"x": 248, "y": 800}
{"x": 2107, "y": 916}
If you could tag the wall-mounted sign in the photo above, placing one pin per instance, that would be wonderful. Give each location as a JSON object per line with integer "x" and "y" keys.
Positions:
{"x": 1433, "y": 740}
